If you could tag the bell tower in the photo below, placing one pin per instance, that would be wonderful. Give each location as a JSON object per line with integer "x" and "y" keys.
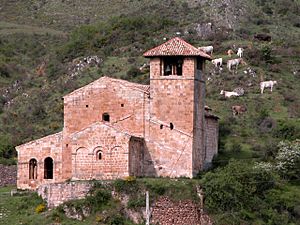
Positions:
{"x": 177, "y": 94}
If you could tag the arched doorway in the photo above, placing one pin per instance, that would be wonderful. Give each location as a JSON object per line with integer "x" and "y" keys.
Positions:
{"x": 32, "y": 169}
{"x": 48, "y": 168}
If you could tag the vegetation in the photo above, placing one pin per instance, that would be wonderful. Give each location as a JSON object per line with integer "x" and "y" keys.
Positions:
{"x": 37, "y": 54}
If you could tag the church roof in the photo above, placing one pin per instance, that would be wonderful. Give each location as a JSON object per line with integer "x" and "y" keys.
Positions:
{"x": 97, "y": 83}
{"x": 176, "y": 47}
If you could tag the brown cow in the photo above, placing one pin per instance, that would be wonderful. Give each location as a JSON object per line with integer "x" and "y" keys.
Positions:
{"x": 238, "y": 109}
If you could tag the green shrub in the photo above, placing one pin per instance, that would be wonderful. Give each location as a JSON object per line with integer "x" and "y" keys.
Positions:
{"x": 236, "y": 186}
{"x": 136, "y": 202}
{"x": 287, "y": 129}
{"x": 127, "y": 186}
{"x": 98, "y": 199}
{"x": 40, "y": 208}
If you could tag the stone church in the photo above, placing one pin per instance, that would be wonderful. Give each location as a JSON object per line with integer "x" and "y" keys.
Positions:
{"x": 114, "y": 128}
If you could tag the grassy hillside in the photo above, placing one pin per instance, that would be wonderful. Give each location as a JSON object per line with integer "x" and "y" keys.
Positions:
{"x": 41, "y": 40}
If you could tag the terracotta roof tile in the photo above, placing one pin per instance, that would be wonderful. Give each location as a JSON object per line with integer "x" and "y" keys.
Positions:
{"x": 176, "y": 46}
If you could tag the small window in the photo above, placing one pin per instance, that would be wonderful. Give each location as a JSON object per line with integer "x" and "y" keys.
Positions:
{"x": 86, "y": 106}
{"x": 161, "y": 126}
{"x": 105, "y": 117}
{"x": 122, "y": 105}
{"x": 99, "y": 155}
{"x": 171, "y": 126}
{"x": 48, "y": 168}
{"x": 33, "y": 169}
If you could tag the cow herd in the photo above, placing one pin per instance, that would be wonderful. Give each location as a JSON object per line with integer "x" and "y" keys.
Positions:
{"x": 232, "y": 66}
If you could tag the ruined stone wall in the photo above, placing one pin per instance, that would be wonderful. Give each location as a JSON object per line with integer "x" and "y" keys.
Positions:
{"x": 56, "y": 194}
{"x": 167, "y": 212}
{"x": 8, "y": 175}
{"x": 212, "y": 137}
{"x": 86, "y": 145}
{"x": 49, "y": 146}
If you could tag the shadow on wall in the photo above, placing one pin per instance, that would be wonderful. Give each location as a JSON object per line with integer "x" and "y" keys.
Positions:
{"x": 140, "y": 161}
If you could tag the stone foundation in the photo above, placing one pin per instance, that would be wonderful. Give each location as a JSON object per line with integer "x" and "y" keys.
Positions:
{"x": 56, "y": 194}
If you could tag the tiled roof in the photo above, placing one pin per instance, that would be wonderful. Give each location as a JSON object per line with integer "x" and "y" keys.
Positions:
{"x": 175, "y": 46}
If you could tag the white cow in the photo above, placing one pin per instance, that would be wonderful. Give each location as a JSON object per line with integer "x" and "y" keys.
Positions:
{"x": 267, "y": 84}
{"x": 229, "y": 94}
{"x": 217, "y": 62}
{"x": 240, "y": 52}
{"x": 235, "y": 62}
{"x": 207, "y": 49}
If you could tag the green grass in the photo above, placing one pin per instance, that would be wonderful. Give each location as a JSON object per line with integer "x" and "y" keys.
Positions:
{"x": 12, "y": 28}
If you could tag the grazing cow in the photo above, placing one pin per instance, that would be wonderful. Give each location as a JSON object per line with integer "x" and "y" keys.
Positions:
{"x": 240, "y": 52}
{"x": 207, "y": 49}
{"x": 217, "y": 62}
{"x": 229, "y": 94}
{"x": 262, "y": 37}
{"x": 230, "y": 52}
{"x": 235, "y": 62}
{"x": 238, "y": 109}
{"x": 267, "y": 84}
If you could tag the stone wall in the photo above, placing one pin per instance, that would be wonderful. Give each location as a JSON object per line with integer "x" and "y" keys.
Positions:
{"x": 100, "y": 138}
{"x": 56, "y": 194}
{"x": 167, "y": 212}
{"x": 8, "y": 175}
{"x": 39, "y": 150}
{"x": 212, "y": 136}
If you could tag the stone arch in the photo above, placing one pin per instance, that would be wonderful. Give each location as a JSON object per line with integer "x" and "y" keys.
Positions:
{"x": 82, "y": 164}
{"x": 48, "y": 168}
{"x": 33, "y": 169}
{"x": 98, "y": 153}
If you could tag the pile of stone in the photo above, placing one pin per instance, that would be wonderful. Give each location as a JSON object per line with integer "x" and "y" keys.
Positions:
{"x": 167, "y": 212}
{"x": 8, "y": 175}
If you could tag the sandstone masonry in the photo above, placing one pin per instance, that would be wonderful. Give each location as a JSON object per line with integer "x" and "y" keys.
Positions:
{"x": 114, "y": 128}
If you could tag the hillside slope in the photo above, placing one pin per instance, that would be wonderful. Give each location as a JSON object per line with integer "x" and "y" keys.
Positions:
{"x": 42, "y": 41}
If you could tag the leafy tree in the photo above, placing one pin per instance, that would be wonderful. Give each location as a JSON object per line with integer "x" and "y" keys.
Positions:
{"x": 287, "y": 162}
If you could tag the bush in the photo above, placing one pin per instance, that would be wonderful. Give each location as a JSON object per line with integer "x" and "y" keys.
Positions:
{"x": 136, "y": 203}
{"x": 127, "y": 186}
{"x": 40, "y": 208}
{"x": 287, "y": 161}
{"x": 287, "y": 129}
{"x": 98, "y": 199}
{"x": 235, "y": 187}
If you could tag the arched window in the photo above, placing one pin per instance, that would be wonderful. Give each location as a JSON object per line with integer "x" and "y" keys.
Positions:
{"x": 48, "y": 168}
{"x": 171, "y": 126}
{"x": 105, "y": 117}
{"x": 32, "y": 169}
{"x": 99, "y": 155}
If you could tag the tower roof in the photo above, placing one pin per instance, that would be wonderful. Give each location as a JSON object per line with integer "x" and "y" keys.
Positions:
{"x": 176, "y": 47}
